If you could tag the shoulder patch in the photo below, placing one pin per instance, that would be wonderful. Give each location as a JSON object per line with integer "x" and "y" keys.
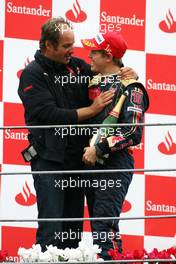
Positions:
{"x": 136, "y": 96}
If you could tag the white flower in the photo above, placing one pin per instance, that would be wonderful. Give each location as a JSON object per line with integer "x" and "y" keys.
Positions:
{"x": 34, "y": 257}
{"x": 62, "y": 255}
{"x": 99, "y": 260}
{"x": 45, "y": 257}
{"x": 22, "y": 251}
{"x": 89, "y": 253}
{"x": 53, "y": 254}
{"x": 25, "y": 254}
{"x": 172, "y": 256}
{"x": 66, "y": 253}
{"x": 52, "y": 249}
{"x": 96, "y": 249}
{"x": 75, "y": 254}
{"x": 82, "y": 246}
{"x": 37, "y": 248}
{"x": 31, "y": 254}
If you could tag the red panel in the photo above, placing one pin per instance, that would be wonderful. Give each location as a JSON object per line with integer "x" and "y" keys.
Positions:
{"x": 126, "y": 16}
{"x": 23, "y": 19}
{"x": 15, "y": 140}
{"x": 160, "y": 199}
{"x": 15, "y": 237}
{"x": 1, "y": 67}
{"x": 82, "y": 53}
{"x": 132, "y": 242}
{"x": 86, "y": 224}
{"x": 161, "y": 83}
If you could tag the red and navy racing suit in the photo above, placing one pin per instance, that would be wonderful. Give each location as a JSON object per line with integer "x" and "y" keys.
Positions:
{"x": 107, "y": 197}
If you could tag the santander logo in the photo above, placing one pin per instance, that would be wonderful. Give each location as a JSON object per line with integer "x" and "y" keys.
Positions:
{"x": 167, "y": 147}
{"x": 25, "y": 197}
{"x": 126, "y": 206}
{"x": 20, "y": 71}
{"x": 76, "y": 14}
{"x": 168, "y": 25}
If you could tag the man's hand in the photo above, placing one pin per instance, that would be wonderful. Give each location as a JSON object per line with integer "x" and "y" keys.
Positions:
{"x": 97, "y": 106}
{"x": 126, "y": 73}
{"x": 90, "y": 156}
{"x": 102, "y": 100}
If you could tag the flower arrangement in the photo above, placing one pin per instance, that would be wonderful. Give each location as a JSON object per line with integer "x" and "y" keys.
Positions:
{"x": 53, "y": 254}
{"x": 143, "y": 254}
{"x": 87, "y": 254}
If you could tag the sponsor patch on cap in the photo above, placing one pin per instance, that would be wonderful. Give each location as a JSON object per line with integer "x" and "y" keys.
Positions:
{"x": 99, "y": 39}
{"x": 88, "y": 43}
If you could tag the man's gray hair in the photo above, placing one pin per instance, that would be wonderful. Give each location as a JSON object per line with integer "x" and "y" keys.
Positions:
{"x": 52, "y": 30}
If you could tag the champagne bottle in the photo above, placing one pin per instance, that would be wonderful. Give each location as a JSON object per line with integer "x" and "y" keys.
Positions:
{"x": 112, "y": 118}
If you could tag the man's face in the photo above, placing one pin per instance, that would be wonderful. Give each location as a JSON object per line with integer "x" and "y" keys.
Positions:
{"x": 62, "y": 53}
{"x": 98, "y": 61}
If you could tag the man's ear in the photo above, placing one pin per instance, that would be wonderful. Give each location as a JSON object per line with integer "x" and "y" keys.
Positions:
{"x": 48, "y": 45}
{"x": 109, "y": 57}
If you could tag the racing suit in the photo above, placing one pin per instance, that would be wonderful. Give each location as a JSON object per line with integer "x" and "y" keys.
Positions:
{"x": 106, "y": 198}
